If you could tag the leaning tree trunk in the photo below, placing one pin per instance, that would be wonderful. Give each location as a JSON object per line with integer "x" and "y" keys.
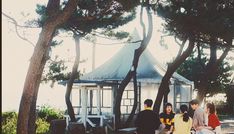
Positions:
{"x": 166, "y": 78}
{"x": 70, "y": 82}
{"x": 32, "y": 115}
{"x": 26, "y": 117}
{"x": 130, "y": 74}
{"x": 130, "y": 118}
{"x": 165, "y": 97}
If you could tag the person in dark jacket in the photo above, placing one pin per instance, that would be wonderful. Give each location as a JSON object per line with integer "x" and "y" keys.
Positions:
{"x": 147, "y": 121}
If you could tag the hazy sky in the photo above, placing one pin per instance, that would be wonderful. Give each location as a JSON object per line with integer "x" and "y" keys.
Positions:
{"x": 16, "y": 54}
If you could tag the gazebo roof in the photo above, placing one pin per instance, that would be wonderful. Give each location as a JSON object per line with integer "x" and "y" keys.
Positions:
{"x": 116, "y": 68}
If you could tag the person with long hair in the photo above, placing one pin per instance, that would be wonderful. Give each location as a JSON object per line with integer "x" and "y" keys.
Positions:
{"x": 213, "y": 120}
{"x": 183, "y": 123}
{"x": 167, "y": 118}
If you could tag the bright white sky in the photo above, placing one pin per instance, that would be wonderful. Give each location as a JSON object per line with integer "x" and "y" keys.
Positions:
{"x": 16, "y": 54}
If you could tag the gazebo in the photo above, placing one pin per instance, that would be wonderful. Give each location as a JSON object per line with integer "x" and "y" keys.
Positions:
{"x": 95, "y": 91}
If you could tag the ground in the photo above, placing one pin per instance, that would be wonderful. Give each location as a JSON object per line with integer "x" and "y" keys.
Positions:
{"x": 227, "y": 124}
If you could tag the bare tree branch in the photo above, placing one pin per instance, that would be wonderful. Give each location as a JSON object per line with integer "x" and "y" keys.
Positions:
{"x": 178, "y": 43}
{"x": 113, "y": 43}
{"x": 99, "y": 35}
{"x": 223, "y": 56}
{"x": 54, "y": 61}
{"x": 13, "y": 21}
{"x": 16, "y": 29}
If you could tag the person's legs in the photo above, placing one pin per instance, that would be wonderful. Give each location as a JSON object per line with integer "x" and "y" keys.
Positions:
{"x": 206, "y": 131}
{"x": 164, "y": 131}
{"x": 218, "y": 130}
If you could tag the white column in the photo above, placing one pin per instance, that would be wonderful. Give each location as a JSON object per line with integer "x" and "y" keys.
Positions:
{"x": 113, "y": 98}
{"x": 99, "y": 100}
{"x": 84, "y": 94}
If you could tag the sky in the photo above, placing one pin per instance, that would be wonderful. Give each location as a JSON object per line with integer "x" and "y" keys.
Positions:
{"x": 16, "y": 54}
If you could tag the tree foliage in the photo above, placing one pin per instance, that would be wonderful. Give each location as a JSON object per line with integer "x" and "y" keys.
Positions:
{"x": 56, "y": 18}
{"x": 192, "y": 70}
{"x": 197, "y": 22}
{"x": 56, "y": 71}
{"x": 93, "y": 14}
{"x": 105, "y": 15}
{"x": 203, "y": 19}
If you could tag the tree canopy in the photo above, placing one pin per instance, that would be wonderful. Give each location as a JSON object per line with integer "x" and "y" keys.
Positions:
{"x": 192, "y": 70}
{"x": 92, "y": 14}
{"x": 196, "y": 21}
{"x": 205, "y": 20}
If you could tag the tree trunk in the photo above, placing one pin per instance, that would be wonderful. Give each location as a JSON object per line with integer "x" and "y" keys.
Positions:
{"x": 165, "y": 97}
{"x": 118, "y": 98}
{"x": 201, "y": 94}
{"x": 210, "y": 70}
{"x": 32, "y": 82}
{"x": 130, "y": 118}
{"x": 73, "y": 76}
{"x": 230, "y": 98}
{"x": 130, "y": 74}
{"x": 26, "y": 117}
{"x": 202, "y": 88}
{"x": 32, "y": 116}
{"x": 170, "y": 70}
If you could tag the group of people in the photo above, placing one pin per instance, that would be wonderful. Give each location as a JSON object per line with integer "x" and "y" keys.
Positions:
{"x": 189, "y": 121}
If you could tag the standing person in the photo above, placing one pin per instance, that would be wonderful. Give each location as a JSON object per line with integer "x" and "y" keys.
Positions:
{"x": 213, "y": 120}
{"x": 199, "y": 119}
{"x": 147, "y": 121}
{"x": 183, "y": 123}
{"x": 167, "y": 118}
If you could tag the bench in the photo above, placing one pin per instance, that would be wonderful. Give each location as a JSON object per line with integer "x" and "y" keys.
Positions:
{"x": 131, "y": 130}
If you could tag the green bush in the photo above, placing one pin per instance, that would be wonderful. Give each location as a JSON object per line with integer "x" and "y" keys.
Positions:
{"x": 45, "y": 115}
{"x": 48, "y": 113}
{"x": 42, "y": 126}
{"x": 9, "y": 121}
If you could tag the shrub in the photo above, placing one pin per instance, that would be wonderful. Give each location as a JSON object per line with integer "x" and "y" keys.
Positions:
{"x": 45, "y": 115}
{"x": 42, "y": 126}
{"x": 9, "y": 121}
{"x": 48, "y": 113}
